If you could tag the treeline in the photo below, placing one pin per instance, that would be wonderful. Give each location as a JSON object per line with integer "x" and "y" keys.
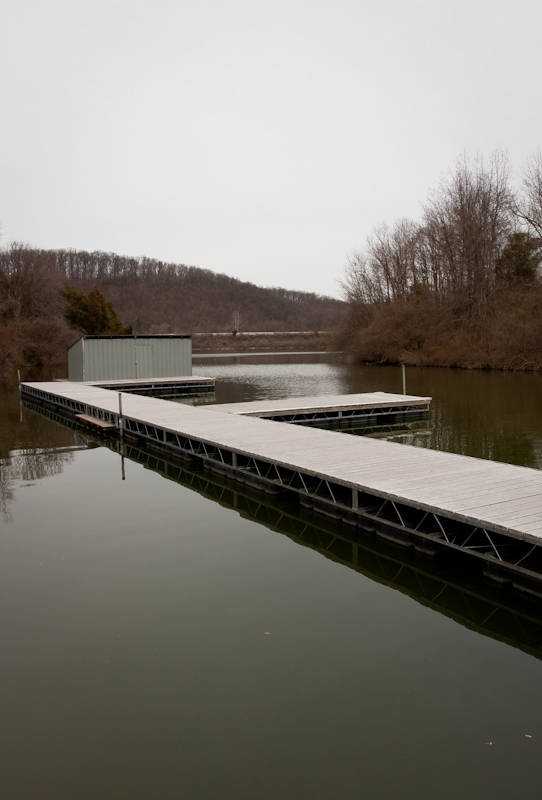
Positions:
{"x": 47, "y": 297}
{"x": 462, "y": 285}
{"x": 33, "y": 327}
{"x": 156, "y": 297}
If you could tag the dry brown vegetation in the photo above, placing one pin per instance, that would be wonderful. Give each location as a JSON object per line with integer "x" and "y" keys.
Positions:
{"x": 426, "y": 332}
{"x": 157, "y": 297}
{"x": 460, "y": 288}
{"x": 33, "y": 331}
{"x": 148, "y": 295}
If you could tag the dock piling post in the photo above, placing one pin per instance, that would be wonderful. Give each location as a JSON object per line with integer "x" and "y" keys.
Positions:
{"x": 404, "y": 379}
{"x": 355, "y": 505}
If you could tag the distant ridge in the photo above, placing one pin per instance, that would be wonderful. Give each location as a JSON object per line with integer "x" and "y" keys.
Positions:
{"x": 158, "y": 297}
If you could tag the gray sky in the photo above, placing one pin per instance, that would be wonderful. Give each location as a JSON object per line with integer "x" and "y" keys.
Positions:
{"x": 260, "y": 139}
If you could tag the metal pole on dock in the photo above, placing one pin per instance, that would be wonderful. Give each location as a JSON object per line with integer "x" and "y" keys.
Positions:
{"x": 121, "y": 426}
{"x": 404, "y": 379}
{"x": 20, "y": 396}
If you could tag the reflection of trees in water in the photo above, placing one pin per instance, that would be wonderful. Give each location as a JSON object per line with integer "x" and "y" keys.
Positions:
{"x": 485, "y": 436}
{"x": 32, "y": 447}
{"x": 486, "y": 414}
{"x": 6, "y": 491}
{"x": 22, "y": 430}
{"x": 33, "y": 465}
{"x": 29, "y": 466}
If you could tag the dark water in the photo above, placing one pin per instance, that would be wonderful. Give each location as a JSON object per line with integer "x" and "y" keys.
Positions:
{"x": 172, "y": 638}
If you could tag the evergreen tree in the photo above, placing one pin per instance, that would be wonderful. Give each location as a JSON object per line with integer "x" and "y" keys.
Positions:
{"x": 92, "y": 314}
{"x": 519, "y": 260}
{"x": 77, "y": 310}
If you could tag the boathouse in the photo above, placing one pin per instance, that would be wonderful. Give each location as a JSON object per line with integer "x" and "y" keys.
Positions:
{"x": 99, "y": 358}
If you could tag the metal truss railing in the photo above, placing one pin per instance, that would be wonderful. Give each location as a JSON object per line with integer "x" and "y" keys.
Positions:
{"x": 398, "y": 521}
{"x": 358, "y": 414}
{"x": 58, "y": 401}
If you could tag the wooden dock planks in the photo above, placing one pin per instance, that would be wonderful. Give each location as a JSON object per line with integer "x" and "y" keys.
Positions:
{"x": 497, "y": 496}
{"x": 99, "y": 423}
{"x": 322, "y": 403}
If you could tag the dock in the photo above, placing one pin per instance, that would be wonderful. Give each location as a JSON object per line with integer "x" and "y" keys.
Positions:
{"x": 369, "y": 407}
{"x": 182, "y": 386}
{"x": 415, "y": 497}
{"x": 442, "y": 585}
{"x": 437, "y": 585}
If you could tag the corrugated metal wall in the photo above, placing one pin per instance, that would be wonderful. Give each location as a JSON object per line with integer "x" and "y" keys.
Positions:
{"x": 113, "y": 358}
{"x": 75, "y": 361}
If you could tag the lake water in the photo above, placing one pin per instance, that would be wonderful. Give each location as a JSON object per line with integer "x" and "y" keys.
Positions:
{"x": 161, "y": 641}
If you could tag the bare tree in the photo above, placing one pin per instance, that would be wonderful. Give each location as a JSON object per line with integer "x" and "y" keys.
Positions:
{"x": 392, "y": 255}
{"x": 466, "y": 224}
{"x": 388, "y": 269}
{"x": 528, "y": 206}
{"x": 358, "y": 284}
{"x": 463, "y": 287}
{"x": 237, "y": 322}
{"x": 29, "y": 283}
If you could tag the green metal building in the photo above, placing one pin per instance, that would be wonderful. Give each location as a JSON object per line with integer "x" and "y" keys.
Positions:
{"x": 97, "y": 358}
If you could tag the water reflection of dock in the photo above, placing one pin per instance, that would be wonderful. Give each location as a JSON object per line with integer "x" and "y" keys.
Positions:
{"x": 480, "y": 607}
{"x": 420, "y": 498}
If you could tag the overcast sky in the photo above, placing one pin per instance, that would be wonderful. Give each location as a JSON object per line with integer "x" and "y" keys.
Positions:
{"x": 260, "y": 139}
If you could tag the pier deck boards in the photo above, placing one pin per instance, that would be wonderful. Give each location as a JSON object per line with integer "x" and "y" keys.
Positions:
{"x": 324, "y": 403}
{"x": 183, "y": 385}
{"x": 495, "y": 496}
{"x": 93, "y": 421}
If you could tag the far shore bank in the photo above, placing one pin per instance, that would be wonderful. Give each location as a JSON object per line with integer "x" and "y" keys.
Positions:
{"x": 293, "y": 341}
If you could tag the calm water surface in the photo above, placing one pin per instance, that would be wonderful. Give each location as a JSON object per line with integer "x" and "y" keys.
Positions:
{"x": 156, "y": 643}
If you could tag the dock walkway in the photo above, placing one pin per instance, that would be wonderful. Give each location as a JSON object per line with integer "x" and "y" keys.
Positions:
{"x": 183, "y": 385}
{"x": 328, "y": 408}
{"x": 426, "y": 498}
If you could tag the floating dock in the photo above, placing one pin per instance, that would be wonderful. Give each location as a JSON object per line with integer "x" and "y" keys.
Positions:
{"x": 446, "y": 586}
{"x": 182, "y": 386}
{"x": 369, "y": 407}
{"x": 413, "y": 496}
{"x": 440, "y": 586}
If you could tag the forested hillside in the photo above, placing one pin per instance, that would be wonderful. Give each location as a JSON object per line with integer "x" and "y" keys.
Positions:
{"x": 47, "y": 297}
{"x": 156, "y": 297}
{"x": 460, "y": 287}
